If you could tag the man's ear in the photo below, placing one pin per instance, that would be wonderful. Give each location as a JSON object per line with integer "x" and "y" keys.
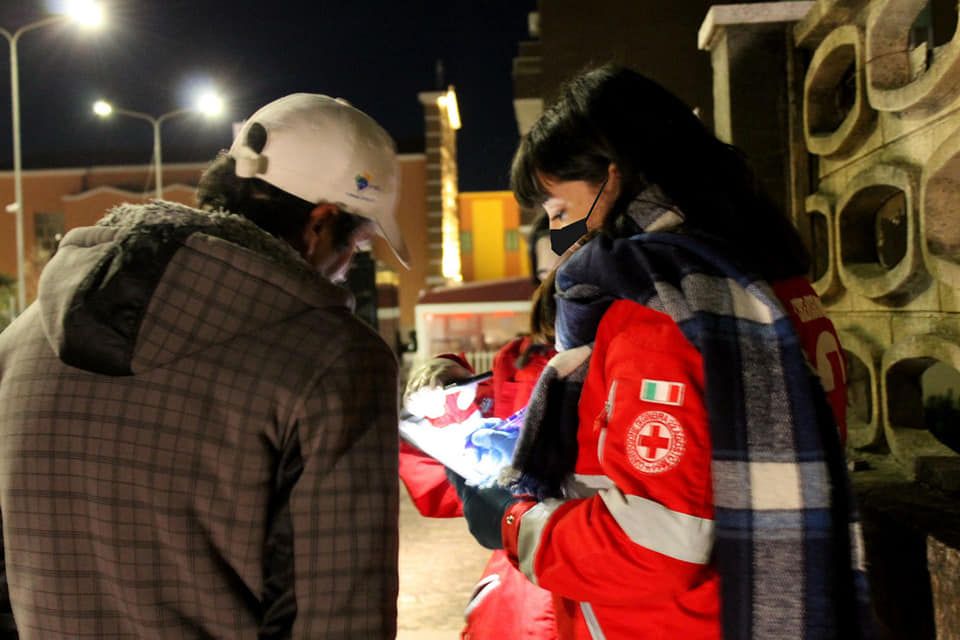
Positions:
{"x": 320, "y": 218}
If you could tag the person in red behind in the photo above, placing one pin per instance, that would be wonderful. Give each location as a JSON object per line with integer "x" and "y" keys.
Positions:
{"x": 504, "y": 603}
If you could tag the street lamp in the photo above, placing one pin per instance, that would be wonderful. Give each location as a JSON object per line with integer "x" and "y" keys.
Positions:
{"x": 209, "y": 104}
{"x": 84, "y": 12}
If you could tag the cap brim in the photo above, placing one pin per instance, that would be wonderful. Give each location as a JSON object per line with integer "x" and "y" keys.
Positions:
{"x": 390, "y": 232}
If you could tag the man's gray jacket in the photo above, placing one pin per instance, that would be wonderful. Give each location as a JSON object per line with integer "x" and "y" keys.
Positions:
{"x": 197, "y": 439}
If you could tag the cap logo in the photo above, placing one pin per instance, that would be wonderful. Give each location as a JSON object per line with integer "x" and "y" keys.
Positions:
{"x": 363, "y": 181}
{"x": 366, "y": 190}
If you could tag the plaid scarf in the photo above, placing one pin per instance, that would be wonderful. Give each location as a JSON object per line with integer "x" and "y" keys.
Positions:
{"x": 788, "y": 546}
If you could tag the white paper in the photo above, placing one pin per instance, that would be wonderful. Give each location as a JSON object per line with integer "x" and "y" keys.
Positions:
{"x": 447, "y": 444}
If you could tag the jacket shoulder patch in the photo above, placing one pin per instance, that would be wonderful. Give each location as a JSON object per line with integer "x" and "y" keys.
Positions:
{"x": 662, "y": 392}
{"x": 655, "y": 442}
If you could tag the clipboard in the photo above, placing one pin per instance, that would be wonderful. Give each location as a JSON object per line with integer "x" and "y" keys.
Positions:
{"x": 446, "y": 445}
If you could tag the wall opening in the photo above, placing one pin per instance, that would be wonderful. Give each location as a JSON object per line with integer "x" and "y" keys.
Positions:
{"x": 891, "y": 230}
{"x": 833, "y": 91}
{"x": 933, "y": 27}
{"x": 859, "y": 392}
{"x": 819, "y": 245}
{"x": 873, "y": 231}
{"x": 905, "y": 392}
{"x": 940, "y": 385}
{"x": 924, "y": 394}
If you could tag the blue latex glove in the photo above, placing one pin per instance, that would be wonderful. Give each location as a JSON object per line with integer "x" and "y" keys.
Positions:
{"x": 494, "y": 450}
{"x": 493, "y": 446}
{"x": 483, "y": 509}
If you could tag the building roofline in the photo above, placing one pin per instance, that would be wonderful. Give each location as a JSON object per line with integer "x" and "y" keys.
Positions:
{"x": 167, "y": 166}
{"x": 108, "y": 169}
{"x": 504, "y": 289}
{"x": 724, "y": 15}
{"x": 83, "y": 195}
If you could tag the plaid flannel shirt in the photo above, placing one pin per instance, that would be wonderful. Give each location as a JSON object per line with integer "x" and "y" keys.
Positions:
{"x": 197, "y": 439}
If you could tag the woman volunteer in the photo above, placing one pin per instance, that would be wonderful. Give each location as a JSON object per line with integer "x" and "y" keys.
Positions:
{"x": 680, "y": 467}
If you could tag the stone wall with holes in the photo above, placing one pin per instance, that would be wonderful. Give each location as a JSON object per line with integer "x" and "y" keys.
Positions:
{"x": 881, "y": 124}
{"x": 881, "y": 120}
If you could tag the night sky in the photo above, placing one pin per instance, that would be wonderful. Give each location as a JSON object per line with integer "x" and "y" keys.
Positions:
{"x": 152, "y": 54}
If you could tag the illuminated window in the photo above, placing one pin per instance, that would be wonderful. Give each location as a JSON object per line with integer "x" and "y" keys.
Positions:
{"x": 48, "y": 230}
{"x": 511, "y": 240}
{"x": 466, "y": 241}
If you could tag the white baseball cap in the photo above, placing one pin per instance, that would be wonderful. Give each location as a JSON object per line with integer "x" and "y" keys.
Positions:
{"x": 321, "y": 149}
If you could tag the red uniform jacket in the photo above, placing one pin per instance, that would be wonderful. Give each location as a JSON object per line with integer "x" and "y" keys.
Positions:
{"x": 629, "y": 556}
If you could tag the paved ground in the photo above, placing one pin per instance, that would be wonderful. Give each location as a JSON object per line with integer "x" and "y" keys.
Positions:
{"x": 439, "y": 565}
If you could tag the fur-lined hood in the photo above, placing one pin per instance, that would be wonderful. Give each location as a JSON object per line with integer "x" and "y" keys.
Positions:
{"x": 150, "y": 283}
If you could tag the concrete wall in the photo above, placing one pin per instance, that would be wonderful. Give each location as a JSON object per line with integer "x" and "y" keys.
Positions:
{"x": 882, "y": 119}
{"x": 867, "y": 105}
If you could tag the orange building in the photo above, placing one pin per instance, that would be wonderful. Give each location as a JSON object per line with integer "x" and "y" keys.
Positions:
{"x": 57, "y": 200}
{"x": 493, "y": 244}
{"x": 413, "y": 224}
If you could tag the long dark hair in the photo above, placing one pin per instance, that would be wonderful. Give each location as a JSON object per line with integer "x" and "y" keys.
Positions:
{"x": 615, "y": 115}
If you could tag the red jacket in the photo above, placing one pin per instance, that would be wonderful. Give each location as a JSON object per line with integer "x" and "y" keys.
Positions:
{"x": 820, "y": 343}
{"x": 629, "y": 556}
{"x": 504, "y": 604}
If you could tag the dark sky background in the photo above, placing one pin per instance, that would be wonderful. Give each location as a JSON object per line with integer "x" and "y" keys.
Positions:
{"x": 152, "y": 54}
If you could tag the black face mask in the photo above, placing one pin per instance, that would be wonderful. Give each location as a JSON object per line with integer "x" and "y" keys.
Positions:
{"x": 563, "y": 238}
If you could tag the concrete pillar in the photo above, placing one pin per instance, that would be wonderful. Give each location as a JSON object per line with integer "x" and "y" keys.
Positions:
{"x": 757, "y": 92}
{"x": 434, "y": 142}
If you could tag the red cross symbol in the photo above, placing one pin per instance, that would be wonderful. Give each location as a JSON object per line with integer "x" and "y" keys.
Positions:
{"x": 654, "y": 442}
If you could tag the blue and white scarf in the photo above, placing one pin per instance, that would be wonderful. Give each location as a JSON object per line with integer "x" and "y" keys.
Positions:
{"x": 788, "y": 545}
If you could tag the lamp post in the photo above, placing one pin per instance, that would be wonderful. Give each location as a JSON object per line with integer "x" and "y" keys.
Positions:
{"x": 86, "y": 13}
{"x": 209, "y": 104}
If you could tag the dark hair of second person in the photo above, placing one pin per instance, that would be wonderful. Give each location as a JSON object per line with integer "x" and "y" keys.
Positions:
{"x": 616, "y": 115}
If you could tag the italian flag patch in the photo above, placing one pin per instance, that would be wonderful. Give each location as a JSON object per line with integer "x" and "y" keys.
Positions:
{"x": 662, "y": 392}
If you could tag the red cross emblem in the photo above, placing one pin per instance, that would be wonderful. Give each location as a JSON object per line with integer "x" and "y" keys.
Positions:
{"x": 655, "y": 442}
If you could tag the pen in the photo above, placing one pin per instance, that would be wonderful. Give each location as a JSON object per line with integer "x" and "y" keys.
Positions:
{"x": 465, "y": 382}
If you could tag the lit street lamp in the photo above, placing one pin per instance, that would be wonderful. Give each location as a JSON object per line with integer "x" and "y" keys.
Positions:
{"x": 209, "y": 104}
{"x": 83, "y": 12}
